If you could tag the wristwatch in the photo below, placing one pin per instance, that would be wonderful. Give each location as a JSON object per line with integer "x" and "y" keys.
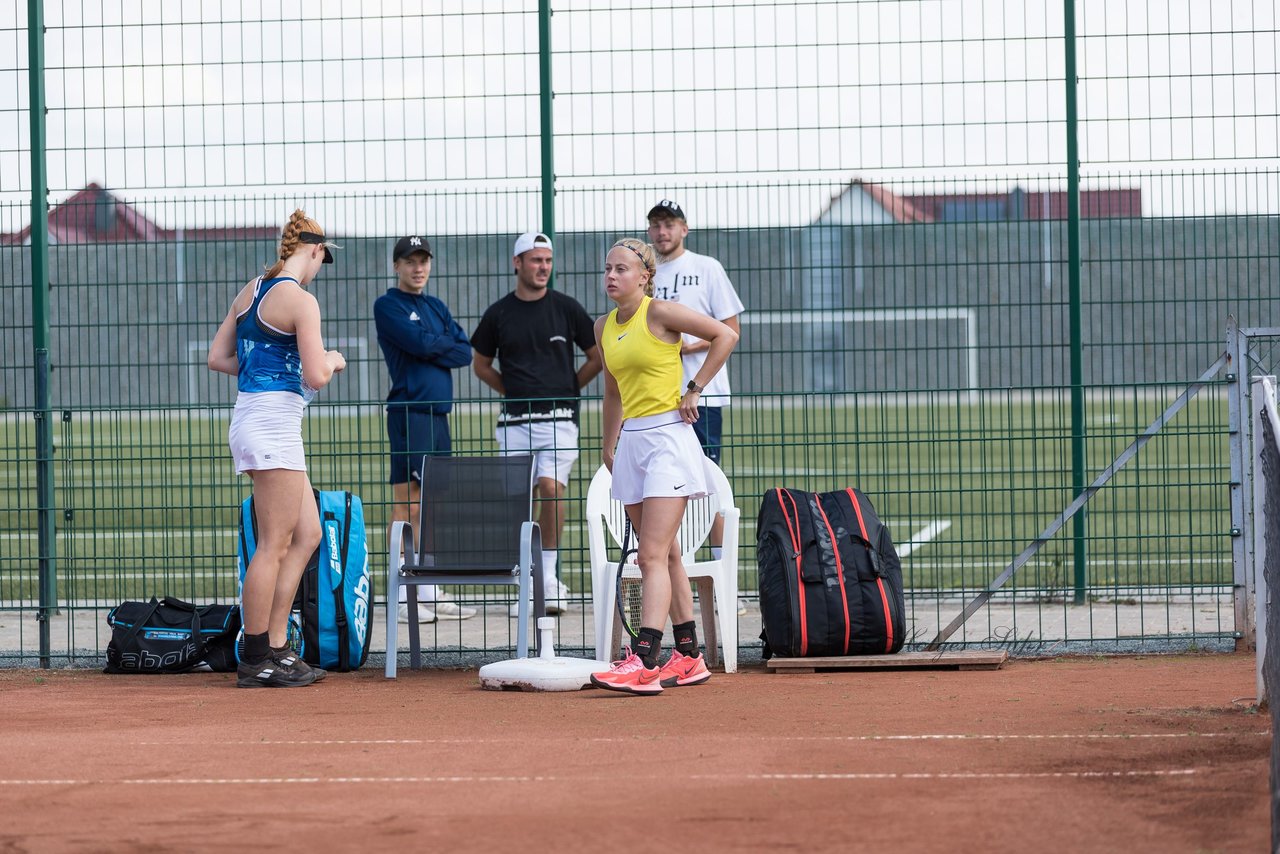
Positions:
{"x": 692, "y": 386}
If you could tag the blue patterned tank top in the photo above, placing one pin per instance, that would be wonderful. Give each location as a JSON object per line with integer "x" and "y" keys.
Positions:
{"x": 269, "y": 358}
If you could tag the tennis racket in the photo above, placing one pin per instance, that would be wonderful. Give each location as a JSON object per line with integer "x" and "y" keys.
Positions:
{"x": 629, "y": 591}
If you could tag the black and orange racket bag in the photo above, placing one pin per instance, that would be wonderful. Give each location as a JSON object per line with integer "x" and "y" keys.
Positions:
{"x": 830, "y": 579}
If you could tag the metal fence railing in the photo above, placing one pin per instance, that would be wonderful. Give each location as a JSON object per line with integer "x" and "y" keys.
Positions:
{"x": 981, "y": 245}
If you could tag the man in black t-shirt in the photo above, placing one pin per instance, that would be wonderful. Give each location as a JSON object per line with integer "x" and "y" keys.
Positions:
{"x": 532, "y": 332}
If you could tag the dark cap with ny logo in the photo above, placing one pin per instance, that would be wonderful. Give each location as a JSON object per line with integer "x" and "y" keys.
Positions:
{"x": 406, "y": 246}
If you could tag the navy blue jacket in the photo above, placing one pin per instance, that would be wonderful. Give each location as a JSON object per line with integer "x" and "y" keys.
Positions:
{"x": 421, "y": 343}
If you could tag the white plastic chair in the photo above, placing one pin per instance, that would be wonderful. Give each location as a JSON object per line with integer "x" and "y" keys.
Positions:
{"x": 717, "y": 580}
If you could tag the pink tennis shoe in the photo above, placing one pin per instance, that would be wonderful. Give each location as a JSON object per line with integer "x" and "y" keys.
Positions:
{"x": 629, "y": 676}
{"x": 681, "y": 670}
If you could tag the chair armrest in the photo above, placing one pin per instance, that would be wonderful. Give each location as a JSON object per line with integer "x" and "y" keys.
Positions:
{"x": 729, "y": 544}
{"x": 531, "y": 542}
{"x": 401, "y": 541}
{"x": 597, "y": 550}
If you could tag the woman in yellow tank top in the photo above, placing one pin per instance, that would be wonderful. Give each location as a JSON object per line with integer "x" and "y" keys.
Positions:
{"x": 654, "y": 455}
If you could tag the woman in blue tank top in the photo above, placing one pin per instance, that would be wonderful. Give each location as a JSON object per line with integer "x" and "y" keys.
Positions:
{"x": 270, "y": 341}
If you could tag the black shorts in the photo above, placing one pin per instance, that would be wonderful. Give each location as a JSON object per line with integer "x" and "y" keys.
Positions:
{"x": 709, "y": 427}
{"x": 414, "y": 435}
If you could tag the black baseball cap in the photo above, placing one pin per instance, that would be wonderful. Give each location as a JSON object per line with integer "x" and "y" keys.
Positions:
{"x": 409, "y": 245}
{"x": 318, "y": 240}
{"x": 667, "y": 208}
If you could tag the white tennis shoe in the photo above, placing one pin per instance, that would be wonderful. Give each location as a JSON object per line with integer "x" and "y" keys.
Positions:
{"x": 556, "y": 592}
{"x": 425, "y": 614}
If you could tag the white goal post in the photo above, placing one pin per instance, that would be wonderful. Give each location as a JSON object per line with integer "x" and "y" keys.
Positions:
{"x": 966, "y": 316}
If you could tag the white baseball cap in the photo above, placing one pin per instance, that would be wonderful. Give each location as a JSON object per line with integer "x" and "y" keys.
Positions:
{"x": 531, "y": 240}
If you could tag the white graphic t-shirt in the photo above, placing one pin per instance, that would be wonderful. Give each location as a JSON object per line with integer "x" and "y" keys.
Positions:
{"x": 700, "y": 283}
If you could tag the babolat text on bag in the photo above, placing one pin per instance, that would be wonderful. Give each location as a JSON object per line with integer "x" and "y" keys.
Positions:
{"x": 171, "y": 636}
{"x": 332, "y": 605}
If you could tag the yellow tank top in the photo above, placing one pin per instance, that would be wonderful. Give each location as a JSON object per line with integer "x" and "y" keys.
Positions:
{"x": 647, "y": 369}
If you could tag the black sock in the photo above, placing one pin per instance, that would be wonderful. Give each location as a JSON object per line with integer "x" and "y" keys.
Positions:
{"x": 649, "y": 646}
{"x": 282, "y": 650}
{"x": 256, "y": 648}
{"x": 686, "y": 638}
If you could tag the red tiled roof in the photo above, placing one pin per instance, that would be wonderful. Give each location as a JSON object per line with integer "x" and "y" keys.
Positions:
{"x": 899, "y": 208}
{"x": 1051, "y": 205}
{"x": 93, "y": 215}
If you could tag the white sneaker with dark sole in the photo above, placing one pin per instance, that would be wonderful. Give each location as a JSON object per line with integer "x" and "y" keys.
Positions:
{"x": 453, "y": 611}
{"x": 425, "y": 614}
{"x": 557, "y": 601}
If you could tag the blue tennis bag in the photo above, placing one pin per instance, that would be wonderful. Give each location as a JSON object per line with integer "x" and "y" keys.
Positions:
{"x": 331, "y": 609}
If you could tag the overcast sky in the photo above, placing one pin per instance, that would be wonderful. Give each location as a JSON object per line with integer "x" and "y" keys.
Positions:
{"x": 384, "y": 116}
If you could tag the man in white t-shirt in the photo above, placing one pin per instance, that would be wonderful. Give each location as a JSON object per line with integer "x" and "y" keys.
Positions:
{"x": 699, "y": 282}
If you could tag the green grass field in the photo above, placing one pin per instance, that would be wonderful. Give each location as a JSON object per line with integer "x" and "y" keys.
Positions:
{"x": 147, "y": 502}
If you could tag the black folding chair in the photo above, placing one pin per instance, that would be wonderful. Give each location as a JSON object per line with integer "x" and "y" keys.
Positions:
{"x": 475, "y": 527}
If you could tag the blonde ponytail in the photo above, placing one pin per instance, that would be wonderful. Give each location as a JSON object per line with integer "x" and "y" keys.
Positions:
{"x": 298, "y": 223}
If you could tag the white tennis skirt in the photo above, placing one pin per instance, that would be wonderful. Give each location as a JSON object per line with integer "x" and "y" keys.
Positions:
{"x": 266, "y": 431}
{"x": 658, "y": 456}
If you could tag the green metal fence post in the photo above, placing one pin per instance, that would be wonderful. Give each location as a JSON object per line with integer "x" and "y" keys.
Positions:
{"x": 1073, "y": 275}
{"x": 544, "y": 104}
{"x": 40, "y": 331}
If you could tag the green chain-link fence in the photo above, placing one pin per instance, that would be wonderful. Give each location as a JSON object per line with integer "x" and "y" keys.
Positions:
{"x": 968, "y": 283}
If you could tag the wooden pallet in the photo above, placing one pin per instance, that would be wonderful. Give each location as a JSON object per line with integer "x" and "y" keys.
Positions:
{"x": 967, "y": 659}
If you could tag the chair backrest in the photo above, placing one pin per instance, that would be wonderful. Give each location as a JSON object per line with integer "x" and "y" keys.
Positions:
{"x": 699, "y": 513}
{"x": 472, "y": 510}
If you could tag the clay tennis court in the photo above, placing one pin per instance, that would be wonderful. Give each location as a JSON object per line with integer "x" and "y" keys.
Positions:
{"x": 1074, "y": 754}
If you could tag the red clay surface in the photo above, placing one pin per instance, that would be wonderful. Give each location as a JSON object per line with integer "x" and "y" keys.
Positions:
{"x": 1118, "y": 754}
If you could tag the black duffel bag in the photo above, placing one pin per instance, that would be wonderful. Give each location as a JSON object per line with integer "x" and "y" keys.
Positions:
{"x": 830, "y": 578}
{"x": 171, "y": 636}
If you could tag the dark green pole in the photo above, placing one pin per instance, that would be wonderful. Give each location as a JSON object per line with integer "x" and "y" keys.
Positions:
{"x": 1073, "y": 276}
{"x": 544, "y": 104}
{"x": 40, "y": 331}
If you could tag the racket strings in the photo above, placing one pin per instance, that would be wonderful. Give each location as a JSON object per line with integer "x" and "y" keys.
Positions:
{"x": 629, "y": 592}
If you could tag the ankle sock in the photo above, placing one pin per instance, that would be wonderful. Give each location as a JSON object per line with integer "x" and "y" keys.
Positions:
{"x": 649, "y": 646}
{"x": 256, "y": 648}
{"x": 686, "y": 638}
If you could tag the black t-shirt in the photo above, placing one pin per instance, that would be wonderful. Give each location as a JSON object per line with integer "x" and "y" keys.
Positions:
{"x": 533, "y": 343}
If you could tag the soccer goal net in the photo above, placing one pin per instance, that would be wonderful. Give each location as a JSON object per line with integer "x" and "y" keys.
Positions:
{"x": 1266, "y": 534}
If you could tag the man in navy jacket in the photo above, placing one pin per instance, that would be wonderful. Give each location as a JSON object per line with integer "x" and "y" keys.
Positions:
{"x": 421, "y": 343}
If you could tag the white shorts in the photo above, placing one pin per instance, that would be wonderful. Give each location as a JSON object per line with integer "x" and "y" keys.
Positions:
{"x": 266, "y": 431}
{"x": 658, "y": 456}
{"x": 554, "y": 445}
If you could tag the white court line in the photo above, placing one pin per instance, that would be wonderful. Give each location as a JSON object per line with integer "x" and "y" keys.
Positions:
{"x": 954, "y": 775}
{"x": 233, "y": 534}
{"x": 924, "y": 535}
{"x": 922, "y": 737}
{"x": 126, "y": 535}
{"x": 1012, "y": 737}
{"x": 890, "y": 775}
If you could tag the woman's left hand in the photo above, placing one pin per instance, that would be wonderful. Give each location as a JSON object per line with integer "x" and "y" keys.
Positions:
{"x": 689, "y": 406}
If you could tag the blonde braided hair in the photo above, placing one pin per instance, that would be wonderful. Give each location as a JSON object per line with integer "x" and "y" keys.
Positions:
{"x": 298, "y": 223}
{"x": 647, "y": 257}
